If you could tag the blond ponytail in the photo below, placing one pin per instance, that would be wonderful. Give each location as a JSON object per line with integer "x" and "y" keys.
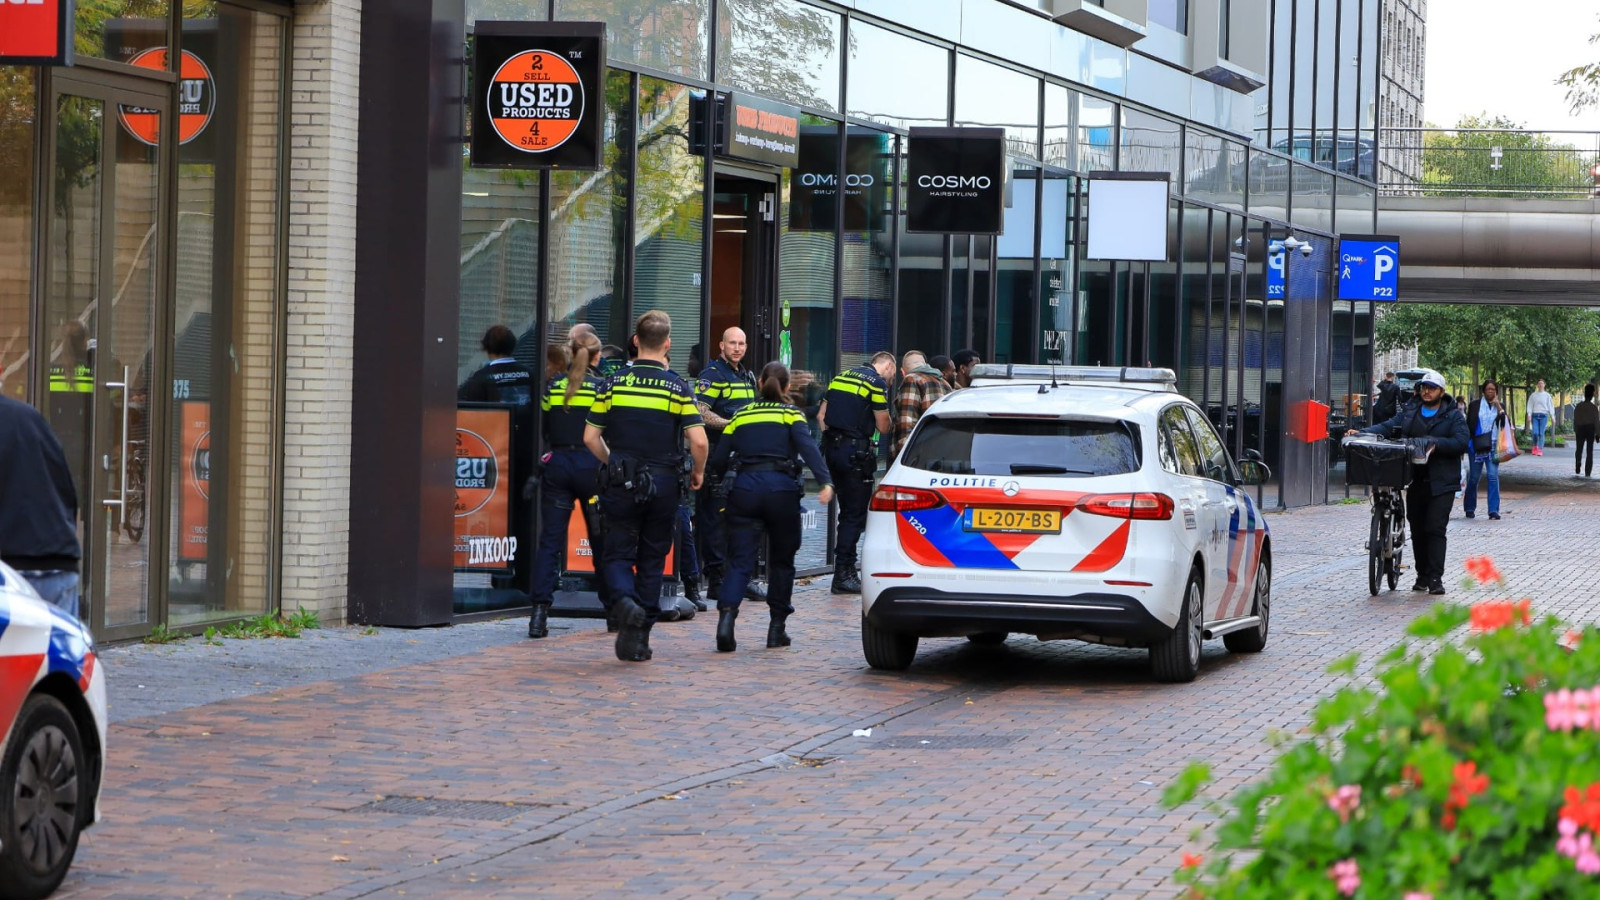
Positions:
{"x": 584, "y": 346}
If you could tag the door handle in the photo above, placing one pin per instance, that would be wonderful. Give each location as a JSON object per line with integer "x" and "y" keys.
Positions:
{"x": 121, "y": 503}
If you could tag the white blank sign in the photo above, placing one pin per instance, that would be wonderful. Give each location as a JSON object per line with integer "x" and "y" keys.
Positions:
{"x": 1128, "y": 219}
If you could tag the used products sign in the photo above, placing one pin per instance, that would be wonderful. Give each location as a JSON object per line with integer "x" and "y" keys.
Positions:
{"x": 955, "y": 180}
{"x": 539, "y": 100}
{"x": 36, "y": 32}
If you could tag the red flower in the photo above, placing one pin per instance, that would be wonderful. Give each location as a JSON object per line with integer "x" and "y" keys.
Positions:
{"x": 1192, "y": 860}
{"x": 1492, "y": 614}
{"x": 1583, "y": 806}
{"x": 1467, "y": 784}
{"x": 1482, "y": 570}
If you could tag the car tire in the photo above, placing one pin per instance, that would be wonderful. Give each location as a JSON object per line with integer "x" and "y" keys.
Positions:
{"x": 1177, "y": 657}
{"x": 989, "y": 638}
{"x": 42, "y": 792}
{"x": 889, "y": 650}
{"x": 1254, "y": 640}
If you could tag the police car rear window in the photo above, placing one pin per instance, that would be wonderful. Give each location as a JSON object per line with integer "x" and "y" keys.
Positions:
{"x": 1062, "y": 448}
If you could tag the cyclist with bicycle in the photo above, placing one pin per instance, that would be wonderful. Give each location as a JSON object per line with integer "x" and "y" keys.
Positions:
{"x": 1432, "y": 417}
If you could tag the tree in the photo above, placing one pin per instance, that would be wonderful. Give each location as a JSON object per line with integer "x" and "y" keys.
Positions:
{"x": 1528, "y": 164}
{"x": 1582, "y": 83}
{"x": 1515, "y": 345}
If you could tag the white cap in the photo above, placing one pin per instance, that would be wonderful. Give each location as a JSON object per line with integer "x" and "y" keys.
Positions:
{"x": 1429, "y": 376}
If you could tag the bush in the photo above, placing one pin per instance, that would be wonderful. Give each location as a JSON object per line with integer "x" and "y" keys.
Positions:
{"x": 1465, "y": 768}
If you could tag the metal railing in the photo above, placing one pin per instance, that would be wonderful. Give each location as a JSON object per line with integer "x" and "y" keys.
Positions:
{"x": 1487, "y": 162}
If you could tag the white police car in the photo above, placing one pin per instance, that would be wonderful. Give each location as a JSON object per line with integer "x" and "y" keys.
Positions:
{"x": 1089, "y": 503}
{"x": 52, "y": 739}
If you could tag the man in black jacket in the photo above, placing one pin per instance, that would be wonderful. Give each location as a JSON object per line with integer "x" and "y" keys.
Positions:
{"x": 1432, "y": 417}
{"x": 1388, "y": 402}
{"x": 38, "y": 506}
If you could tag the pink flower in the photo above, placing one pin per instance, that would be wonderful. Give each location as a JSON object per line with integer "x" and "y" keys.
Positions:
{"x": 1345, "y": 800}
{"x": 1565, "y": 710}
{"x": 1346, "y": 876}
{"x": 1567, "y": 844}
{"x": 1418, "y": 895}
{"x": 1589, "y": 862}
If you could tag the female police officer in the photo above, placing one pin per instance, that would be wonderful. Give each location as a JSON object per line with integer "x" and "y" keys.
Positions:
{"x": 569, "y": 473}
{"x": 759, "y": 449}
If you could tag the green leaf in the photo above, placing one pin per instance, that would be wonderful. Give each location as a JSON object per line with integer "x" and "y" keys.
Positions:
{"x": 1187, "y": 785}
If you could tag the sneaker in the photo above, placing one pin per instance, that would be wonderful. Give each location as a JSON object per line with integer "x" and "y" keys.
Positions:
{"x": 1495, "y": 516}
{"x": 1471, "y": 515}
{"x": 1419, "y": 587}
{"x": 1436, "y": 587}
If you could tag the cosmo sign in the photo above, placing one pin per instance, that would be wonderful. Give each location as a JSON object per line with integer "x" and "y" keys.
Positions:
{"x": 36, "y": 32}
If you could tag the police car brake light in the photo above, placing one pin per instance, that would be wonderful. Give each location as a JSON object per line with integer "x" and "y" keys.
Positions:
{"x": 904, "y": 499}
{"x": 1128, "y": 506}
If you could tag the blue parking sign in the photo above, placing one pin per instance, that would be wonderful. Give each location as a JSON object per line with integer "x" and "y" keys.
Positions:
{"x": 1369, "y": 267}
{"x": 1276, "y": 263}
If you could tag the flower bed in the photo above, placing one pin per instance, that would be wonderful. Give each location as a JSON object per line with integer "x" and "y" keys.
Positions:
{"x": 1467, "y": 768}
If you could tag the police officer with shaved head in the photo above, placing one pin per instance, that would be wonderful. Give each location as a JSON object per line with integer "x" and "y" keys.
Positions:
{"x": 634, "y": 429}
{"x": 725, "y": 387}
{"x": 855, "y": 407}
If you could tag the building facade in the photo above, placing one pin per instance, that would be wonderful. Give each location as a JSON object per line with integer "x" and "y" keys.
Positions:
{"x": 1403, "y": 78}
{"x": 249, "y": 257}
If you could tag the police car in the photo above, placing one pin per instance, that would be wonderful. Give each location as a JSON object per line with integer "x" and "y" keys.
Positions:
{"x": 1088, "y": 503}
{"x": 52, "y": 739}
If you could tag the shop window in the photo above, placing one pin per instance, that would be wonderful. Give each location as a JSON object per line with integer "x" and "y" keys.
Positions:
{"x": 1150, "y": 143}
{"x": 121, "y": 30}
{"x": 1060, "y": 127}
{"x": 1097, "y": 135}
{"x": 17, "y": 134}
{"x": 669, "y": 210}
{"x": 897, "y": 80}
{"x": 781, "y": 48}
{"x": 666, "y": 35}
{"x": 225, "y": 407}
{"x": 994, "y": 96}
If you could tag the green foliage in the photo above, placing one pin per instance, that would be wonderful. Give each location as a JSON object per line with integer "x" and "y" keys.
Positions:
{"x": 161, "y": 634}
{"x": 1582, "y": 83}
{"x": 1404, "y": 737}
{"x": 1530, "y": 164}
{"x": 1516, "y": 345}
{"x": 269, "y": 625}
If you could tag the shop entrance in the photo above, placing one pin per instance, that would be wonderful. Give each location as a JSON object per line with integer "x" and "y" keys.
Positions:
{"x": 102, "y": 277}
{"x": 744, "y": 268}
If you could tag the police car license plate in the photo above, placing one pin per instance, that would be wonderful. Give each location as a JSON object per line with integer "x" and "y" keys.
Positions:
{"x": 1028, "y": 521}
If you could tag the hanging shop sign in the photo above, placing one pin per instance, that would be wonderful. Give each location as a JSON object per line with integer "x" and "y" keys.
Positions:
{"x": 197, "y": 99}
{"x": 539, "y": 95}
{"x": 816, "y": 186}
{"x": 1369, "y": 267}
{"x": 485, "y": 538}
{"x": 36, "y": 32}
{"x": 1128, "y": 214}
{"x": 762, "y": 131}
{"x": 955, "y": 180}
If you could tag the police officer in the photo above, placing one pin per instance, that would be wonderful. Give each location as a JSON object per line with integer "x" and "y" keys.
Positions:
{"x": 569, "y": 475}
{"x": 761, "y": 451}
{"x": 633, "y": 429}
{"x": 723, "y": 389}
{"x": 856, "y": 405}
{"x": 502, "y": 379}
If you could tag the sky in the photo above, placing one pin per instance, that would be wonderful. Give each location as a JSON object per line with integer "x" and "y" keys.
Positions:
{"x": 1503, "y": 58}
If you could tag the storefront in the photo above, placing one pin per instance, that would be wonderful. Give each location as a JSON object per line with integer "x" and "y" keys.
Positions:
{"x": 141, "y": 292}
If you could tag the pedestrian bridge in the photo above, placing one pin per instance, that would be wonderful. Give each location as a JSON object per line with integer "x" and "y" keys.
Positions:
{"x": 1496, "y": 250}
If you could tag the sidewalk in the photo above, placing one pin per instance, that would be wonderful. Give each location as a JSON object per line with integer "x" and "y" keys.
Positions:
{"x": 275, "y": 769}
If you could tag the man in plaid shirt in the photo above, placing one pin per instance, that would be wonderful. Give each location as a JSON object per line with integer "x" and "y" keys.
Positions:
{"x": 920, "y": 386}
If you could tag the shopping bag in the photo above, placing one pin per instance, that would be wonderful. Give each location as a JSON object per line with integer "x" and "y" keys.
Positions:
{"x": 1505, "y": 444}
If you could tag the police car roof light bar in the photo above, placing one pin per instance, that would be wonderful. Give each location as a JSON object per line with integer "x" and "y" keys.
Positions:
{"x": 1130, "y": 375}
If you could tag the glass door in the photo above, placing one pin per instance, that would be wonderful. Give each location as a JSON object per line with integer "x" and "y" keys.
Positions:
{"x": 103, "y": 278}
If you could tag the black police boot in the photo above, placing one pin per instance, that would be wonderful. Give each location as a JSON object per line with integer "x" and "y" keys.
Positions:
{"x": 846, "y": 580}
{"x": 725, "y": 617}
{"x": 691, "y": 592}
{"x": 633, "y": 638}
{"x": 539, "y": 621}
{"x": 777, "y": 636}
{"x": 756, "y": 590}
{"x": 613, "y": 625}
{"x": 669, "y": 610}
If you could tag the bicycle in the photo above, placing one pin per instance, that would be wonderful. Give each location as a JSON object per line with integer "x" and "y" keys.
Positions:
{"x": 1385, "y": 467}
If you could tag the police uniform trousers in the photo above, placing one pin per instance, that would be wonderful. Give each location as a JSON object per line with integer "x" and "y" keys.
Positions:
{"x": 638, "y": 538}
{"x": 688, "y": 556}
{"x": 569, "y": 478}
{"x": 710, "y": 532}
{"x": 854, "y": 493}
{"x": 760, "y": 501}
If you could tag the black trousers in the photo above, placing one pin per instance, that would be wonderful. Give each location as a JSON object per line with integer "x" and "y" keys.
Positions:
{"x": 638, "y": 536}
{"x": 1429, "y": 515}
{"x": 750, "y": 511}
{"x": 854, "y": 492}
{"x": 1583, "y": 457}
{"x": 709, "y": 533}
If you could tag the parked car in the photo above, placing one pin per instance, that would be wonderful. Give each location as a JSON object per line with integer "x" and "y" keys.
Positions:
{"x": 52, "y": 739}
{"x": 1087, "y": 503}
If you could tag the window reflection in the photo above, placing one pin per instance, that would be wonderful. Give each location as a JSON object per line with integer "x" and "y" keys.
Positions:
{"x": 994, "y": 96}
{"x": 120, "y": 29}
{"x": 669, "y": 205}
{"x": 1060, "y": 127}
{"x": 667, "y": 35}
{"x": 806, "y": 72}
{"x": 16, "y": 217}
{"x": 897, "y": 80}
{"x": 1097, "y": 135}
{"x": 1150, "y": 143}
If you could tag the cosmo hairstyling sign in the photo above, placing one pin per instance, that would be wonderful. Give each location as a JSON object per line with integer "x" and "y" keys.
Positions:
{"x": 538, "y": 95}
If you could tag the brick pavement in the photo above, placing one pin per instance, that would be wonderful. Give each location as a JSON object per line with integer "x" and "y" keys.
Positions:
{"x": 737, "y": 775}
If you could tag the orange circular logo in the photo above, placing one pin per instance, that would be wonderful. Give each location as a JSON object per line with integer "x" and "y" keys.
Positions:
{"x": 477, "y": 472}
{"x": 197, "y": 99}
{"x": 200, "y": 465}
{"x": 535, "y": 101}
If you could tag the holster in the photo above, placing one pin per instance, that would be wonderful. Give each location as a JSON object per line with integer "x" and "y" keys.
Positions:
{"x": 722, "y": 486}
{"x": 864, "y": 463}
{"x": 630, "y": 475}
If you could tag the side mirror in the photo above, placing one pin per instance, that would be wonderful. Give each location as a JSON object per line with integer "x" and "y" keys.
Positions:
{"x": 1252, "y": 453}
{"x": 1254, "y": 471}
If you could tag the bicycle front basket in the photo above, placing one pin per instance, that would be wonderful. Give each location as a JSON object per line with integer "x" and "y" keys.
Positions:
{"x": 1377, "y": 465}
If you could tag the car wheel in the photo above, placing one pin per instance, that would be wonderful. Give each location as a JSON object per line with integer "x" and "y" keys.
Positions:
{"x": 887, "y": 649}
{"x": 989, "y": 638}
{"x": 1177, "y": 657}
{"x": 41, "y": 792}
{"x": 1254, "y": 640}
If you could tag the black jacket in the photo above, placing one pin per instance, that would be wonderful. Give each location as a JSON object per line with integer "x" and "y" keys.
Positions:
{"x": 1388, "y": 401}
{"x": 1451, "y": 439}
{"x": 38, "y": 506}
{"x": 1472, "y": 419}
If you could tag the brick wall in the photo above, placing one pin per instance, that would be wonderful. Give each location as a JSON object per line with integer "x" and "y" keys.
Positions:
{"x": 321, "y": 310}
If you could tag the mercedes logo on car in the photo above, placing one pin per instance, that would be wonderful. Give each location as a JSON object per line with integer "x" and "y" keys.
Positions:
{"x": 1010, "y": 488}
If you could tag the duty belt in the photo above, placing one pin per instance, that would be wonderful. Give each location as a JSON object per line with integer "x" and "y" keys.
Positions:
{"x": 767, "y": 464}
{"x": 834, "y": 436}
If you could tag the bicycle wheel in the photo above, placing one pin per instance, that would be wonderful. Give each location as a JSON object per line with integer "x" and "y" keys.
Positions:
{"x": 133, "y": 523}
{"x": 1397, "y": 530}
{"x": 1375, "y": 546}
{"x": 1391, "y": 559}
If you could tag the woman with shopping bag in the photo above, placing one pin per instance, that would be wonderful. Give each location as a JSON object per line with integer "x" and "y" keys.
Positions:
{"x": 1486, "y": 417}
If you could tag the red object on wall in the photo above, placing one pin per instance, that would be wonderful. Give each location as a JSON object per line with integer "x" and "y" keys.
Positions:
{"x": 1308, "y": 421}
{"x": 36, "y": 32}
